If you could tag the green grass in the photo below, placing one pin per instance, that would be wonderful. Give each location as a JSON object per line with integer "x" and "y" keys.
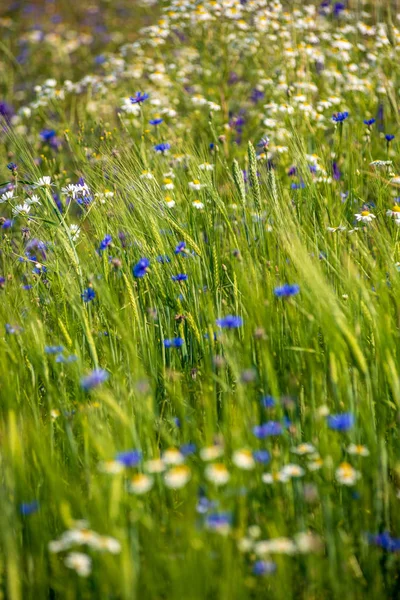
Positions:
{"x": 332, "y": 348}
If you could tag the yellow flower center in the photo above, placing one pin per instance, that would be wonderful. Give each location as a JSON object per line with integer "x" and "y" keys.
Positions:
{"x": 365, "y": 213}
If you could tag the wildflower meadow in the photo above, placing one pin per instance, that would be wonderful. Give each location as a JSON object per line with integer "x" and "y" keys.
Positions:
{"x": 200, "y": 300}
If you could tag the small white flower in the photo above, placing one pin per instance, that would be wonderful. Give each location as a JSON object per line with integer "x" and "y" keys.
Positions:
{"x": 112, "y": 467}
{"x": 334, "y": 229}
{"x": 364, "y": 216}
{"x": 34, "y": 199}
{"x": 292, "y": 470}
{"x": 7, "y": 196}
{"x": 79, "y": 562}
{"x": 140, "y": 484}
{"x": 270, "y": 478}
{"x": 195, "y": 185}
{"x": 217, "y": 473}
{"x": 394, "y": 213}
{"x": 197, "y": 204}
{"x": 21, "y": 209}
{"x": 44, "y": 181}
{"x": 168, "y": 184}
{"x": 211, "y": 452}
{"x": 358, "y": 449}
{"x": 302, "y": 449}
{"x": 243, "y": 459}
{"x": 177, "y": 477}
{"x": 346, "y": 474}
{"x": 206, "y": 167}
{"x": 147, "y": 175}
{"x": 275, "y": 546}
{"x": 108, "y": 544}
{"x": 155, "y": 466}
{"x": 173, "y": 456}
{"x": 170, "y": 202}
{"x": 74, "y": 231}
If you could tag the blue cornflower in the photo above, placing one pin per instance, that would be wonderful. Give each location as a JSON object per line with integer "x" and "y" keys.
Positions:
{"x": 369, "y": 122}
{"x": 338, "y": 7}
{"x": 11, "y": 329}
{"x": 339, "y": 117}
{"x": 229, "y": 322}
{"x": 267, "y": 429}
{"x": 138, "y": 98}
{"x": 60, "y": 358}
{"x": 179, "y": 277}
{"x": 163, "y": 259}
{"x": 188, "y": 449}
{"x": 53, "y": 349}
{"x": 47, "y": 135}
{"x": 88, "y": 294}
{"x": 141, "y": 267}
{"x": 180, "y": 247}
{"x": 264, "y": 567}
{"x": 261, "y": 456}
{"x": 94, "y": 379}
{"x": 156, "y": 121}
{"x": 264, "y": 142}
{"x": 12, "y": 166}
{"x": 7, "y": 223}
{"x": 287, "y": 290}
{"x": 129, "y": 458}
{"x": 386, "y": 541}
{"x": 341, "y": 421}
{"x": 298, "y": 186}
{"x": 105, "y": 242}
{"x": 218, "y": 521}
{"x": 389, "y": 137}
{"x": 204, "y": 505}
{"x": 28, "y": 508}
{"x": 162, "y": 148}
{"x": 267, "y": 402}
{"x": 174, "y": 342}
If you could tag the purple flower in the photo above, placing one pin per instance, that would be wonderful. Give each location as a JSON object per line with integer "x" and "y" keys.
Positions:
{"x": 287, "y": 290}
{"x": 341, "y": 421}
{"x": 141, "y": 267}
{"x": 129, "y": 458}
{"x": 336, "y": 171}
{"x": 229, "y": 322}
{"x": 94, "y": 379}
